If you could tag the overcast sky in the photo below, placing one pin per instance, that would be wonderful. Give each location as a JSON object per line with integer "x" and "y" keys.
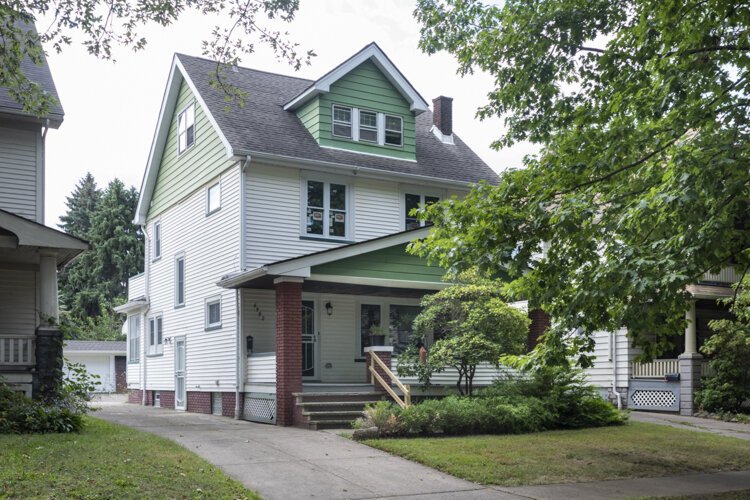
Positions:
{"x": 111, "y": 108}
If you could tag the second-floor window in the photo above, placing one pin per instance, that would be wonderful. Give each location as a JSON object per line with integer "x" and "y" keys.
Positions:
{"x": 213, "y": 198}
{"x": 157, "y": 240}
{"x": 179, "y": 281}
{"x": 186, "y": 128}
{"x": 364, "y": 125}
{"x": 326, "y": 214}
{"x": 413, "y": 202}
{"x": 155, "y": 335}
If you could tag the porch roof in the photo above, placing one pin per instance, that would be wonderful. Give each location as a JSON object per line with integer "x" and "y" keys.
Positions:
{"x": 379, "y": 263}
{"x": 17, "y": 232}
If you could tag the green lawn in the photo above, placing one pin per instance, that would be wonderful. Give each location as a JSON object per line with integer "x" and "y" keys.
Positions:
{"x": 107, "y": 461}
{"x": 628, "y": 451}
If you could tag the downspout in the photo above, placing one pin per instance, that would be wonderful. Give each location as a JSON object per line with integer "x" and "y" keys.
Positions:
{"x": 240, "y": 385}
{"x": 144, "y": 323}
{"x": 45, "y": 129}
{"x": 613, "y": 354}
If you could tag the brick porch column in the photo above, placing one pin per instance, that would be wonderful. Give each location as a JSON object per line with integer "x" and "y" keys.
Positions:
{"x": 540, "y": 322}
{"x": 288, "y": 348}
{"x": 385, "y": 353}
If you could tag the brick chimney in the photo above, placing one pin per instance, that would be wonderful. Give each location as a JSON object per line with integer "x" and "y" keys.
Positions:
{"x": 442, "y": 114}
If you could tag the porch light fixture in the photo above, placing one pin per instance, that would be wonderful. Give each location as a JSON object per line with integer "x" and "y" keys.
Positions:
{"x": 329, "y": 308}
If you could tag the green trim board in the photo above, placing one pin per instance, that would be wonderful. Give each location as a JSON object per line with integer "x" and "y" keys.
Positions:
{"x": 366, "y": 88}
{"x": 181, "y": 174}
{"x": 392, "y": 263}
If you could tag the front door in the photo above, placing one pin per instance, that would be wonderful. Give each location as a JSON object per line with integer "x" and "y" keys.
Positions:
{"x": 179, "y": 373}
{"x": 309, "y": 341}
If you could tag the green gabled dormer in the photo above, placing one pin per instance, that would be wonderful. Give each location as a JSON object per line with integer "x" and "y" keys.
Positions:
{"x": 364, "y": 105}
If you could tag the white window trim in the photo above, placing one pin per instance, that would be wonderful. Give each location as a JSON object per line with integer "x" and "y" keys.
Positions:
{"x": 208, "y": 302}
{"x": 422, "y": 192}
{"x": 155, "y": 349}
{"x": 177, "y": 258}
{"x": 195, "y": 138}
{"x": 157, "y": 240}
{"x": 327, "y": 181}
{"x": 134, "y": 339}
{"x": 354, "y": 124}
{"x": 208, "y": 198}
{"x": 385, "y": 316}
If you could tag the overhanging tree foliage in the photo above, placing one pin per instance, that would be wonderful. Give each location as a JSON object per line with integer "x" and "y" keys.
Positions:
{"x": 105, "y": 24}
{"x": 472, "y": 325}
{"x": 642, "y": 181}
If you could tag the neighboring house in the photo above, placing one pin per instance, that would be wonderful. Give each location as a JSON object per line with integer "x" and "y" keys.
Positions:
{"x": 276, "y": 235}
{"x": 104, "y": 358}
{"x": 668, "y": 383}
{"x": 30, "y": 253}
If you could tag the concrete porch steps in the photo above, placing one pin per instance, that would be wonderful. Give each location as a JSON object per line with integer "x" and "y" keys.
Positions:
{"x": 334, "y": 410}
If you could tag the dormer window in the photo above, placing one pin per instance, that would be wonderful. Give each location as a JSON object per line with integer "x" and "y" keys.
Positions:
{"x": 186, "y": 129}
{"x": 342, "y": 122}
{"x": 363, "y": 125}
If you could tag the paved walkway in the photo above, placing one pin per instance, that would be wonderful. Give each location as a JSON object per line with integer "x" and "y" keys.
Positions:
{"x": 283, "y": 463}
{"x": 731, "y": 429}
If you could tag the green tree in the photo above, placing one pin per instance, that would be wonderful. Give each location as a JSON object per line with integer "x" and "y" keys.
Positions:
{"x": 82, "y": 204}
{"x": 472, "y": 325}
{"x": 641, "y": 183}
{"x": 105, "y": 24}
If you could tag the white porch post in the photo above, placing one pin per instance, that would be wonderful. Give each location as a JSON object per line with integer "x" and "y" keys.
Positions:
{"x": 690, "y": 364}
{"x": 48, "y": 285}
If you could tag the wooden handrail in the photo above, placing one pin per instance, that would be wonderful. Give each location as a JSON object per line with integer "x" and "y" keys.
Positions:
{"x": 405, "y": 389}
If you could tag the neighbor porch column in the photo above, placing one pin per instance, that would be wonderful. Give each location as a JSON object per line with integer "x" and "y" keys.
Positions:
{"x": 690, "y": 364}
{"x": 49, "y": 340}
{"x": 288, "y": 348}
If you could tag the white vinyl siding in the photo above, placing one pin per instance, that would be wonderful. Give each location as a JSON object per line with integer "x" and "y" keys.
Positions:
{"x": 21, "y": 182}
{"x": 601, "y": 374}
{"x": 17, "y": 302}
{"x": 211, "y": 247}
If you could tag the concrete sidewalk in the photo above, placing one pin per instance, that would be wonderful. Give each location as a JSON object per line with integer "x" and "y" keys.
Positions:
{"x": 730, "y": 429}
{"x": 285, "y": 463}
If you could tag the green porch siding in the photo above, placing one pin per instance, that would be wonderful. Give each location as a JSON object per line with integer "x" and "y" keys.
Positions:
{"x": 390, "y": 263}
{"x": 180, "y": 175}
{"x": 366, "y": 87}
{"x": 309, "y": 115}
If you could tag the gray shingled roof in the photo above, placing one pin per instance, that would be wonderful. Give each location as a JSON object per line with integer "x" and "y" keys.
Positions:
{"x": 94, "y": 345}
{"x": 262, "y": 126}
{"x": 38, "y": 74}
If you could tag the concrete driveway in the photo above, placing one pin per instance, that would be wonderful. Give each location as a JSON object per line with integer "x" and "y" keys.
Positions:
{"x": 284, "y": 462}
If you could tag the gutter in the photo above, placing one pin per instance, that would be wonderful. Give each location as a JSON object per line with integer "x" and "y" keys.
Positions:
{"x": 374, "y": 173}
{"x": 613, "y": 354}
{"x": 238, "y": 279}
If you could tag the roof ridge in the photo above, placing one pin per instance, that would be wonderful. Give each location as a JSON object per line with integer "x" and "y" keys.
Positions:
{"x": 179, "y": 54}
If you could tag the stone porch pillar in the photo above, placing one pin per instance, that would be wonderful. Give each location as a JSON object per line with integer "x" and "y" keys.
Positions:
{"x": 288, "y": 348}
{"x": 385, "y": 353}
{"x": 690, "y": 364}
{"x": 49, "y": 339}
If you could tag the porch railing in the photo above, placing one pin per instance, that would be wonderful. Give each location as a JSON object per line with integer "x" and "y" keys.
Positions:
{"x": 405, "y": 389}
{"x": 17, "y": 350}
{"x": 659, "y": 368}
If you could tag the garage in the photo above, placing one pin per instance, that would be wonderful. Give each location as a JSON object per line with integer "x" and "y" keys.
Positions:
{"x": 106, "y": 359}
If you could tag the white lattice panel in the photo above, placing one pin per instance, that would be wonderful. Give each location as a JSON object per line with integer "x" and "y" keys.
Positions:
{"x": 260, "y": 407}
{"x": 654, "y": 398}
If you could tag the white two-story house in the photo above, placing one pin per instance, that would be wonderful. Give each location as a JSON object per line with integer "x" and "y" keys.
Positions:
{"x": 30, "y": 253}
{"x": 276, "y": 235}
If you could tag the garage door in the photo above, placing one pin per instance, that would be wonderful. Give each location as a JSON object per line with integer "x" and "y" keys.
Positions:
{"x": 96, "y": 365}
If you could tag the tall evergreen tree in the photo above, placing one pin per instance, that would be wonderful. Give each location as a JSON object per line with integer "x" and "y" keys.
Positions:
{"x": 82, "y": 204}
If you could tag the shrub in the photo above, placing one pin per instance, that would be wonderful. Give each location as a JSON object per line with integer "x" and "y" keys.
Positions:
{"x": 61, "y": 411}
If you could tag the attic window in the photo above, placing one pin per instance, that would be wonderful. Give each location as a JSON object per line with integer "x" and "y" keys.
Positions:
{"x": 186, "y": 129}
{"x": 368, "y": 126}
{"x": 342, "y": 122}
{"x": 394, "y": 130}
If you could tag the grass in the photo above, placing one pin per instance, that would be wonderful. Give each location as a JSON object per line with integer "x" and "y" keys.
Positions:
{"x": 107, "y": 461}
{"x": 628, "y": 451}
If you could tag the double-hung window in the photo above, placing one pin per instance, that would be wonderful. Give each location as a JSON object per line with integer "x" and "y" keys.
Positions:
{"x": 157, "y": 240}
{"x": 134, "y": 339}
{"x": 368, "y": 126}
{"x": 213, "y": 313}
{"x": 179, "y": 281}
{"x": 413, "y": 202}
{"x": 213, "y": 198}
{"x": 394, "y": 130}
{"x": 342, "y": 121}
{"x": 155, "y": 335}
{"x": 186, "y": 128}
{"x": 326, "y": 209}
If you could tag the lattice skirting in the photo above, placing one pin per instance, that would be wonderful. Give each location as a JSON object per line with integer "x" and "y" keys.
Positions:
{"x": 654, "y": 395}
{"x": 260, "y": 407}
{"x": 216, "y": 403}
{"x": 665, "y": 399}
